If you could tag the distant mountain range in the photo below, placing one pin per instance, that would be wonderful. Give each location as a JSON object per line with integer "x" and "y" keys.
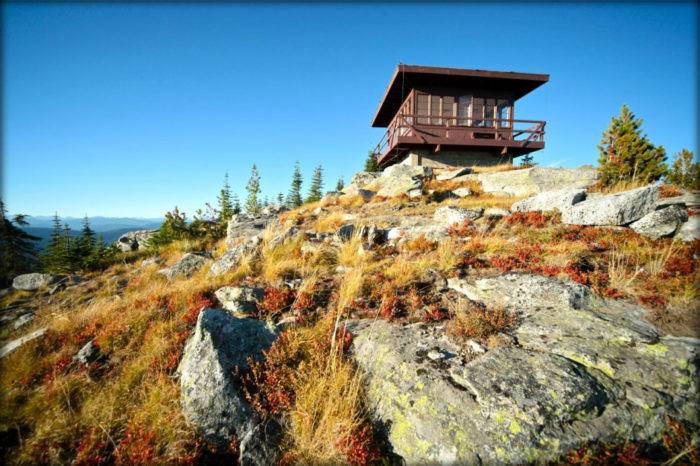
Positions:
{"x": 111, "y": 228}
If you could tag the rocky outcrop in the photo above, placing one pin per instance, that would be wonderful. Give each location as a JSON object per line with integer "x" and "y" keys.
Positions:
{"x": 240, "y": 299}
{"x": 462, "y": 192}
{"x": 233, "y": 255}
{"x": 211, "y": 398}
{"x": 12, "y": 345}
{"x": 445, "y": 175}
{"x": 187, "y": 265}
{"x": 90, "y": 352}
{"x": 613, "y": 209}
{"x": 402, "y": 179}
{"x": 494, "y": 213}
{"x": 449, "y": 215}
{"x": 690, "y": 230}
{"x": 134, "y": 240}
{"x": 35, "y": 281}
{"x": 528, "y": 181}
{"x": 360, "y": 181}
{"x": 242, "y": 226}
{"x": 661, "y": 223}
{"x": 584, "y": 369}
{"x": 551, "y": 200}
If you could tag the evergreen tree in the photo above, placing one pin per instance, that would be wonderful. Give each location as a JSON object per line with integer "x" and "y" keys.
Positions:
{"x": 294, "y": 196}
{"x": 101, "y": 255}
{"x": 266, "y": 201}
{"x": 57, "y": 255}
{"x": 626, "y": 155}
{"x": 226, "y": 207}
{"x": 17, "y": 249}
{"x": 174, "y": 227}
{"x": 528, "y": 161}
{"x": 371, "y": 164}
{"x": 316, "y": 188}
{"x": 236, "y": 204}
{"x": 280, "y": 199}
{"x": 340, "y": 184}
{"x": 84, "y": 244}
{"x": 684, "y": 171}
{"x": 252, "y": 205}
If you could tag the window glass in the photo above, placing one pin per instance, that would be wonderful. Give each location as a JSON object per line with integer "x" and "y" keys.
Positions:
{"x": 448, "y": 103}
{"x": 503, "y": 113}
{"x": 422, "y": 108}
{"x": 490, "y": 109}
{"x": 478, "y": 111}
{"x": 435, "y": 109}
{"x": 463, "y": 103}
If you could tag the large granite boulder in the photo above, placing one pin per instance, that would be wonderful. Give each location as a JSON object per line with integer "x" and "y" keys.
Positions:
{"x": 12, "y": 345}
{"x": 550, "y": 200}
{"x": 584, "y": 370}
{"x": 360, "y": 181}
{"x": 240, "y": 299}
{"x": 134, "y": 240}
{"x": 528, "y": 181}
{"x": 402, "y": 179}
{"x": 613, "y": 209}
{"x": 661, "y": 223}
{"x": 449, "y": 215}
{"x": 242, "y": 226}
{"x": 211, "y": 398}
{"x": 233, "y": 255}
{"x": 35, "y": 281}
{"x": 690, "y": 230}
{"x": 445, "y": 175}
{"x": 187, "y": 265}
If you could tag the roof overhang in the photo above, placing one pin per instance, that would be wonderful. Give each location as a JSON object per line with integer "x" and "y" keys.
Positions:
{"x": 406, "y": 77}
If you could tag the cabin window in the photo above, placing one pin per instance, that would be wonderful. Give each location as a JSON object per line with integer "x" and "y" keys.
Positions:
{"x": 435, "y": 109}
{"x": 422, "y": 108}
{"x": 463, "y": 109}
{"x": 504, "y": 113}
{"x": 490, "y": 112}
{"x": 478, "y": 111}
{"x": 448, "y": 103}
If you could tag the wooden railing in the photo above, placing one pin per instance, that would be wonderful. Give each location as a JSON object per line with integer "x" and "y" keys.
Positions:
{"x": 458, "y": 130}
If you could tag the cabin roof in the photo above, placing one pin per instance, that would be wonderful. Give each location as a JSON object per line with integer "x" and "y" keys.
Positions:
{"x": 406, "y": 77}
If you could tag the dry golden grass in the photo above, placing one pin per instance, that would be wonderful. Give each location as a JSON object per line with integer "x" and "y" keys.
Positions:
{"x": 283, "y": 260}
{"x": 330, "y": 223}
{"x": 618, "y": 187}
{"x": 352, "y": 201}
{"x": 126, "y": 410}
{"x": 477, "y": 322}
{"x": 504, "y": 167}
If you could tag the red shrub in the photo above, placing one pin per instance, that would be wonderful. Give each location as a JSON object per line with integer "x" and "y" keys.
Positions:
{"x": 464, "y": 228}
{"x": 679, "y": 265}
{"x": 136, "y": 447}
{"x": 654, "y": 300}
{"x": 276, "y": 299}
{"x": 360, "y": 447}
{"x": 434, "y": 313}
{"x": 390, "y": 307}
{"x": 530, "y": 219}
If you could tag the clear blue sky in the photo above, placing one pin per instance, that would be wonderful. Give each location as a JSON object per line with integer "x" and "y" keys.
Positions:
{"x": 130, "y": 109}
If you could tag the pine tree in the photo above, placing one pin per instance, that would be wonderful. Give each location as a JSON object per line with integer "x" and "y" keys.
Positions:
{"x": 226, "y": 208}
{"x": 236, "y": 204}
{"x": 684, "y": 171}
{"x": 173, "y": 228}
{"x": 84, "y": 244}
{"x": 340, "y": 184}
{"x": 280, "y": 199}
{"x": 316, "y": 188}
{"x": 528, "y": 161}
{"x": 18, "y": 253}
{"x": 626, "y": 155}
{"x": 57, "y": 255}
{"x": 101, "y": 255}
{"x": 294, "y": 196}
{"x": 371, "y": 164}
{"x": 252, "y": 205}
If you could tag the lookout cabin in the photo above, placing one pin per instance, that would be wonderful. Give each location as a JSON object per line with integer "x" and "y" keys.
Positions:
{"x": 454, "y": 117}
